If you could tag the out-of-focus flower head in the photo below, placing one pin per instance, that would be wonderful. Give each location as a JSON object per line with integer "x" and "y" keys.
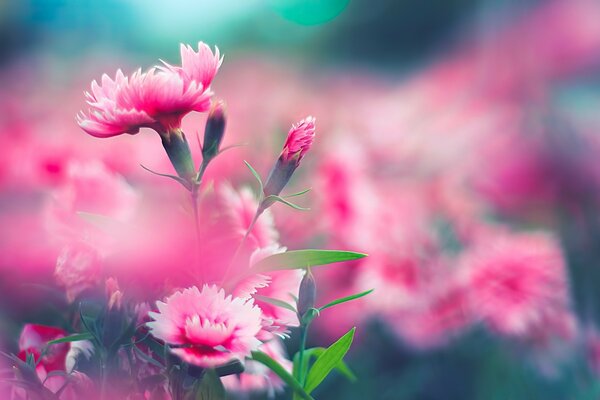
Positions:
{"x": 238, "y": 208}
{"x": 78, "y": 268}
{"x": 158, "y": 98}
{"x": 205, "y": 327}
{"x": 89, "y": 188}
{"x": 34, "y": 339}
{"x": 517, "y": 282}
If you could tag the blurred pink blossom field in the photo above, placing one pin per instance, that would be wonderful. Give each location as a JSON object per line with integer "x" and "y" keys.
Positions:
{"x": 207, "y": 221}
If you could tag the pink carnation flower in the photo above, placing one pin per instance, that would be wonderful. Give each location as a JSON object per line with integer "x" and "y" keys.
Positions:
{"x": 299, "y": 140}
{"x": 205, "y": 328}
{"x": 517, "y": 283}
{"x": 157, "y": 99}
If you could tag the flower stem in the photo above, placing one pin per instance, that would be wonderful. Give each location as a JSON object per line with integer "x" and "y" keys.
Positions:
{"x": 258, "y": 213}
{"x": 303, "y": 334}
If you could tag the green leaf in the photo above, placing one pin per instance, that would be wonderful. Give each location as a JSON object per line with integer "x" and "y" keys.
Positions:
{"x": 256, "y": 175}
{"x": 210, "y": 387}
{"x": 298, "y": 193}
{"x": 315, "y": 352}
{"x": 73, "y": 338}
{"x": 345, "y": 299}
{"x": 276, "y": 302}
{"x": 182, "y": 181}
{"x": 280, "y": 371}
{"x": 297, "y": 259}
{"x": 273, "y": 198}
{"x": 147, "y": 358}
{"x": 328, "y": 360}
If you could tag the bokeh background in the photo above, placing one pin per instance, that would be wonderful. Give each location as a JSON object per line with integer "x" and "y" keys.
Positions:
{"x": 458, "y": 144}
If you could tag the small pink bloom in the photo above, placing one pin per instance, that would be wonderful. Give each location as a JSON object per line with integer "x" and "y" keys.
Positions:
{"x": 34, "y": 339}
{"x": 78, "y": 268}
{"x": 114, "y": 294}
{"x": 517, "y": 282}
{"x": 207, "y": 328}
{"x": 299, "y": 140}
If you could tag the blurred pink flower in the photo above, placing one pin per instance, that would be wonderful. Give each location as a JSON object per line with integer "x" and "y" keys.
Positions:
{"x": 238, "y": 208}
{"x": 592, "y": 347}
{"x": 443, "y": 314}
{"x": 34, "y": 339}
{"x": 517, "y": 282}
{"x": 92, "y": 189}
{"x": 258, "y": 378}
{"x": 78, "y": 268}
{"x": 207, "y": 328}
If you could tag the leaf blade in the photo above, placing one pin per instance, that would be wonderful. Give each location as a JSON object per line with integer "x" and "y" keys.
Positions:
{"x": 328, "y": 360}
{"x": 276, "y": 302}
{"x": 285, "y": 376}
{"x": 255, "y": 174}
{"x": 73, "y": 338}
{"x": 301, "y": 259}
{"x": 346, "y": 299}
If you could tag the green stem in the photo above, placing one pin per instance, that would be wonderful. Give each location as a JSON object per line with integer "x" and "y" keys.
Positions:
{"x": 258, "y": 213}
{"x": 303, "y": 334}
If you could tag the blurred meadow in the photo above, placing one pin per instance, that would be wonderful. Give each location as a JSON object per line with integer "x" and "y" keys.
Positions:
{"x": 458, "y": 144}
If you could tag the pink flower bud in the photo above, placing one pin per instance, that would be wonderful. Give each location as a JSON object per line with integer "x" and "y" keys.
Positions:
{"x": 299, "y": 140}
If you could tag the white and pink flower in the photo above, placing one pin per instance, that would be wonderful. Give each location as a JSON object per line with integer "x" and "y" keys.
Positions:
{"x": 205, "y": 327}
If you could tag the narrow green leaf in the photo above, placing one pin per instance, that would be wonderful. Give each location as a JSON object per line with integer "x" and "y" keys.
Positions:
{"x": 73, "y": 338}
{"x": 256, "y": 175}
{"x": 272, "y": 198}
{"x": 210, "y": 387}
{"x": 297, "y": 259}
{"x": 280, "y": 371}
{"x": 276, "y": 302}
{"x": 315, "y": 352}
{"x": 182, "y": 181}
{"x": 345, "y": 299}
{"x": 328, "y": 360}
{"x": 147, "y": 358}
{"x": 298, "y": 193}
